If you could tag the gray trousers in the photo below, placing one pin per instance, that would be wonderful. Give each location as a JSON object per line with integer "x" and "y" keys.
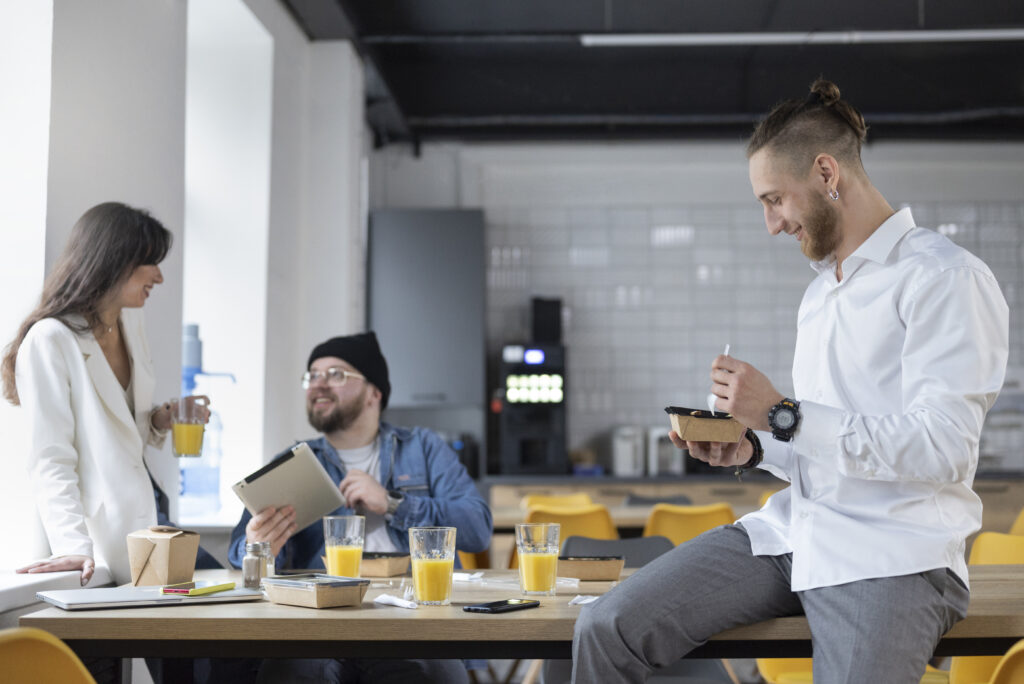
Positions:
{"x": 879, "y": 630}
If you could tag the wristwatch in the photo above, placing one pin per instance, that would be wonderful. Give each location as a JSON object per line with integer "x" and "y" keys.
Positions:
{"x": 395, "y": 499}
{"x": 784, "y": 418}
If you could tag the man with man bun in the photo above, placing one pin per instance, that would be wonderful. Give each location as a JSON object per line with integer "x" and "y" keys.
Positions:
{"x": 902, "y": 344}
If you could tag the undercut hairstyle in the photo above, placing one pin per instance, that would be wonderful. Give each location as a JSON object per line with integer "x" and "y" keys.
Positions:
{"x": 797, "y": 131}
{"x": 106, "y": 245}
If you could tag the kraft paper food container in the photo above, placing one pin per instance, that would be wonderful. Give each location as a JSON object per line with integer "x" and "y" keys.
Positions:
{"x": 591, "y": 568}
{"x": 162, "y": 555}
{"x": 316, "y": 591}
{"x": 697, "y": 425}
{"x": 384, "y": 563}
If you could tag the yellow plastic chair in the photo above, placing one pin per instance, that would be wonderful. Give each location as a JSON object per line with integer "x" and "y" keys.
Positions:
{"x": 592, "y": 521}
{"x": 761, "y": 501}
{"x": 576, "y": 499}
{"x": 1011, "y": 666}
{"x": 682, "y": 523}
{"x": 785, "y": 670}
{"x": 989, "y": 548}
{"x": 30, "y": 656}
{"x": 481, "y": 560}
{"x": 1018, "y": 524}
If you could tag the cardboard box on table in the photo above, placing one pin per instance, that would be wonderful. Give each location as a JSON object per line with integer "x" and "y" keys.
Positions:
{"x": 161, "y": 555}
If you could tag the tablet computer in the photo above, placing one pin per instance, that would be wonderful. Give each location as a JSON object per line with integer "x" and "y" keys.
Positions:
{"x": 296, "y": 479}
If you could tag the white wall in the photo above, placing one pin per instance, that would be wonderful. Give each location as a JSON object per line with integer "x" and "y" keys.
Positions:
{"x": 25, "y": 42}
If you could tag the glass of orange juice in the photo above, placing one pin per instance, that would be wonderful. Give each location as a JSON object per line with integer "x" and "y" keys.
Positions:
{"x": 187, "y": 425}
{"x": 433, "y": 559}
{"x": 537, "y": 547}
{"x": 343, "y": 544}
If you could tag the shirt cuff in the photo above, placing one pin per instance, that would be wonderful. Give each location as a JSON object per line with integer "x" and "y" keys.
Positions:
{"x": 819, "y": 430}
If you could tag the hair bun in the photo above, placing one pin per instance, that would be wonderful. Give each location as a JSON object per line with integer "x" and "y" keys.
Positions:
{"x": 825, "y": 91}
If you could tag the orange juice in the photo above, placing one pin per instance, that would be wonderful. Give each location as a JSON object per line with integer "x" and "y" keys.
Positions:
{"x": 188, "y": 438}
{"x": 537, "y": 571}
{"x": 432, "y": 579}
{"x": 344, "y": 560}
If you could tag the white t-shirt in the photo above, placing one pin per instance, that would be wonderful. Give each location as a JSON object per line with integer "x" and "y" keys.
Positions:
{"x": 367, "y": 459}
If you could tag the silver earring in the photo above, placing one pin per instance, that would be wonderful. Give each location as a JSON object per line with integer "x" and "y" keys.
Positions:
{"x": 833, "y": 194}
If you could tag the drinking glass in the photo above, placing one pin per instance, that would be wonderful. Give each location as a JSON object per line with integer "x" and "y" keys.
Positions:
{"x": 433, "y": 559}
{"x": 343, "y": 544}
{"x": 537, "y": 547}
{"x": 186, "y": 425}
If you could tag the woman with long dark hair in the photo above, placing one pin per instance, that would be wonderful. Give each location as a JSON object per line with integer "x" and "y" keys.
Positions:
{"x": 80, "y": 368}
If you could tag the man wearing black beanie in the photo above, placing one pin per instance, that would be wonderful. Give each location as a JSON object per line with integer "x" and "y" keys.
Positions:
{"x": 396, "y": 477}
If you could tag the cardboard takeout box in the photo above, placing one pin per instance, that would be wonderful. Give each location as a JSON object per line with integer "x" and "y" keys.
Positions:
{"x": 384, "y": 564}
{"x": 696, "y": 425}
{"x": 316, "y": 591}
{"x": 162, "y": 555}
{"x": 607, "y": 568}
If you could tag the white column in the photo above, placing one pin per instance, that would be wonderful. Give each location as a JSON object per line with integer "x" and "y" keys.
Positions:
{"x": 26, "y": 31}
{"x": 117, "y": 132}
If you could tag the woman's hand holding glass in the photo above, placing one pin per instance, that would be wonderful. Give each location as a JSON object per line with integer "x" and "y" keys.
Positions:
{"x": 162, "y": 417}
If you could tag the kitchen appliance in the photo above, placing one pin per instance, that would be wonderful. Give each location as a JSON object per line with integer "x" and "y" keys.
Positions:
{"x": 628, "y": 451}
{"x": 532, "y": 419}
{"x": 663, "y": 457}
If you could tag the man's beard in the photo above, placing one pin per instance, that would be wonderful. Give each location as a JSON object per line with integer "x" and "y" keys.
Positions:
{"x": 341, "y": 417}
{"x": 821, "y": 236}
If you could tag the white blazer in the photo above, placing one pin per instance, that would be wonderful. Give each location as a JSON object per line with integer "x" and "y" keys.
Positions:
{"x": 86, "y": 462}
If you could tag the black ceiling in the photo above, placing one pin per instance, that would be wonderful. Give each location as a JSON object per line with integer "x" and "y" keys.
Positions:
{"x": 516, "y": 69}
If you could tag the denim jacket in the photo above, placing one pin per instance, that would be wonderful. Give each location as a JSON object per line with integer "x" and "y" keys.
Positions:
{"x": 414, "y": 461}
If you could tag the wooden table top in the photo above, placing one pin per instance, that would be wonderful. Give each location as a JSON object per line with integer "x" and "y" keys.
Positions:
{"x": 995, "y": 618}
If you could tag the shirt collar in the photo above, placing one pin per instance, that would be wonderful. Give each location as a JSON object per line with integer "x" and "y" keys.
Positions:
{"x": 879, "y": 244}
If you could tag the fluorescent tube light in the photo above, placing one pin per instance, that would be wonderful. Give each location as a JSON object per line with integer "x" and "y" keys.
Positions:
{"x": 796, "y": 38}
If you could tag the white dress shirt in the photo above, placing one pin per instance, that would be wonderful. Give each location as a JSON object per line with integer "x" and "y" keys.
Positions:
{"x": 895, "y": 367}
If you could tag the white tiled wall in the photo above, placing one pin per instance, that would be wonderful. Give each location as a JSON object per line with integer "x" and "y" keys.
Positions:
{"x": 659, "y": 270}
{"x": 652, "y": 294}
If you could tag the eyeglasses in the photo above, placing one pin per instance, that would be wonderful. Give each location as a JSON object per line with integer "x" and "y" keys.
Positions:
{"x": 335, "y": 377}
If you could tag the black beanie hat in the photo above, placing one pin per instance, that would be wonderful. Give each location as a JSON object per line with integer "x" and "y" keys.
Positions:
{"x": 363, "y": 353}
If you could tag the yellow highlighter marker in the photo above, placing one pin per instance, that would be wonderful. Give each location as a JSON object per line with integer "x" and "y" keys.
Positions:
{"x": 190, "y": 588}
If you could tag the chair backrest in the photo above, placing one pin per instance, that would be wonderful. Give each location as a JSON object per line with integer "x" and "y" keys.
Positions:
{"x": 765, "y": 495}
{"x": 592, "y": 520}
{"x": 638, "y": 551}
{"x": 794, "y": 669}
{"x": 996, "y": 548}
{"x": 638, "y": 500}
{"x": 1011, "y": 666}
{"x": 989, "y": 548}
{"x": 1018, "y": 524}
{"x": 29, "y": 656}
{"x": 481, "y": 560}
{"x": 682, "y": 523}
{"x": 575, "y": 499}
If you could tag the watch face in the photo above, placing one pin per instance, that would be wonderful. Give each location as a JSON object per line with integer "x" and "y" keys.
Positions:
{"x": 784, "y": 419}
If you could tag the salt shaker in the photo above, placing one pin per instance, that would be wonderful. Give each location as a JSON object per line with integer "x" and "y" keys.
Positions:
{"x": 254, "y": 565}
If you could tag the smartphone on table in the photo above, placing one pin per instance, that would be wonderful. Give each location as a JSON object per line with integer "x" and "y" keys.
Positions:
{"x": 501, "y": 606}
